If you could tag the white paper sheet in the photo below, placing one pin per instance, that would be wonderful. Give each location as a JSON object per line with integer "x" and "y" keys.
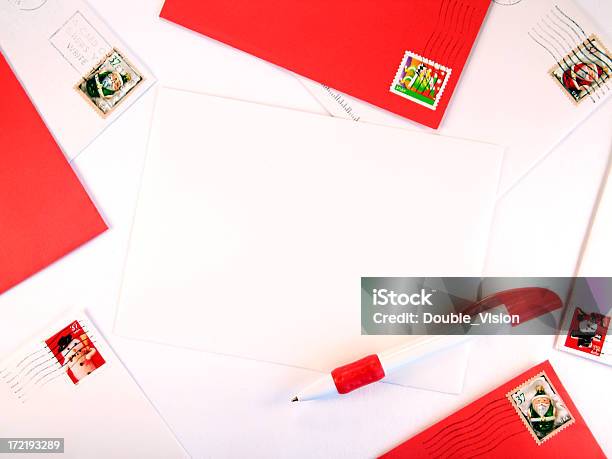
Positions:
{"x": 254, "y": 225}
{"x": 103, "y": 414}
{"x": 530, "y": 112}
{"x": 54, "y": 46}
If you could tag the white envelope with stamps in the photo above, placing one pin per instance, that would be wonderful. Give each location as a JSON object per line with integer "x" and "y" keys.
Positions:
{"x": 78, "y": 73}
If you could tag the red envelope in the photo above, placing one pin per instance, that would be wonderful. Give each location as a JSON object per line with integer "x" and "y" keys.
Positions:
{"x": 405, "y": 57}
{"x": 44, "y": 210}
{"x": 515, "y": 420}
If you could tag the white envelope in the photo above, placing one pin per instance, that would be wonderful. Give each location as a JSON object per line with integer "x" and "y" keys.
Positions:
{"x": 597, "y": 257}
{"x": 67, "y": 383}
{"x": 54, "y": 48}
{"x": 255, "y": 224}
{"x": 507, "y": 94}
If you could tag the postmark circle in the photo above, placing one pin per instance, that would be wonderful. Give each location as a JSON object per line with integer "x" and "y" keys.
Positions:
{"x": 507, "y": 2}
{"x": 26, "y": 5}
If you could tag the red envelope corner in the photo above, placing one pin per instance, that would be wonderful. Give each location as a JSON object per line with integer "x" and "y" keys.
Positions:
{"x": 405, "y": 57}
{"x": 514, "y": 420}
{"x": 44, "y": 210}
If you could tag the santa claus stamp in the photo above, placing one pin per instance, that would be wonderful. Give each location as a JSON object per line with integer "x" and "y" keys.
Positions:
{"x": 110, "y": 82}
{"x": 420, "y": 80}
{"x": 75, "y": 352}
{"x": 540, "y": 407}
{"x": 584, "y": 71}
{"x": 587, "y": 332}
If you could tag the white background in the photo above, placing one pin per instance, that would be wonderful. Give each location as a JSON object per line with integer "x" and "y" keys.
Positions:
{"x": 221, "y": 406}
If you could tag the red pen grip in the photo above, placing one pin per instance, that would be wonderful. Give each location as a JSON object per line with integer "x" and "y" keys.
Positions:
{"x": 359, "y": 373}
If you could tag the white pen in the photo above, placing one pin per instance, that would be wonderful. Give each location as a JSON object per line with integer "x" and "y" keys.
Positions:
{"x": 375, "y": 367}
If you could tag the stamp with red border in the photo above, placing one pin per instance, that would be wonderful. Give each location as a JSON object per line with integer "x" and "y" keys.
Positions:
{"x": 75, "y": 351}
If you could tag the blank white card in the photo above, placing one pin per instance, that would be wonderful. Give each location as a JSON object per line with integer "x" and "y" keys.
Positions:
{"x": 255, "y": 224}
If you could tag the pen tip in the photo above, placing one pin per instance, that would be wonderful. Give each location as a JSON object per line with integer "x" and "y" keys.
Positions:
{"x": 294, "y": 399}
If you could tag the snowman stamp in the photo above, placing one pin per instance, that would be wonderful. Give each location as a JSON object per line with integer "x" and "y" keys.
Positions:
{"x": 540, "y": 407}
{"x": 109, "y": 82}
{"x": 420, "y": 80}
{"x": 584, "y": 71}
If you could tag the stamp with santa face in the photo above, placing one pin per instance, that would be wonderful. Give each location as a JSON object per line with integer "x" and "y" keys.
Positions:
{"x": 75, "y": 352}
{"x": 587, "y": 332}
{"x": 541, "y": 408}
{"x": 109, "y": 83}
{"x": 420, "y": 80}
{"x": 585, "y": 70}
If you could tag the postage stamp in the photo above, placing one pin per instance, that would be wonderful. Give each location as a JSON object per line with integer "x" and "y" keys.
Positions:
{"x": 420, "y": 80}
{"x": 587, "y": 332}
{"x": 584, "y": 70}
{"x": 109, "y": 83}
{"x": 540, "y": 407}
{"x": 75, "y": 351}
